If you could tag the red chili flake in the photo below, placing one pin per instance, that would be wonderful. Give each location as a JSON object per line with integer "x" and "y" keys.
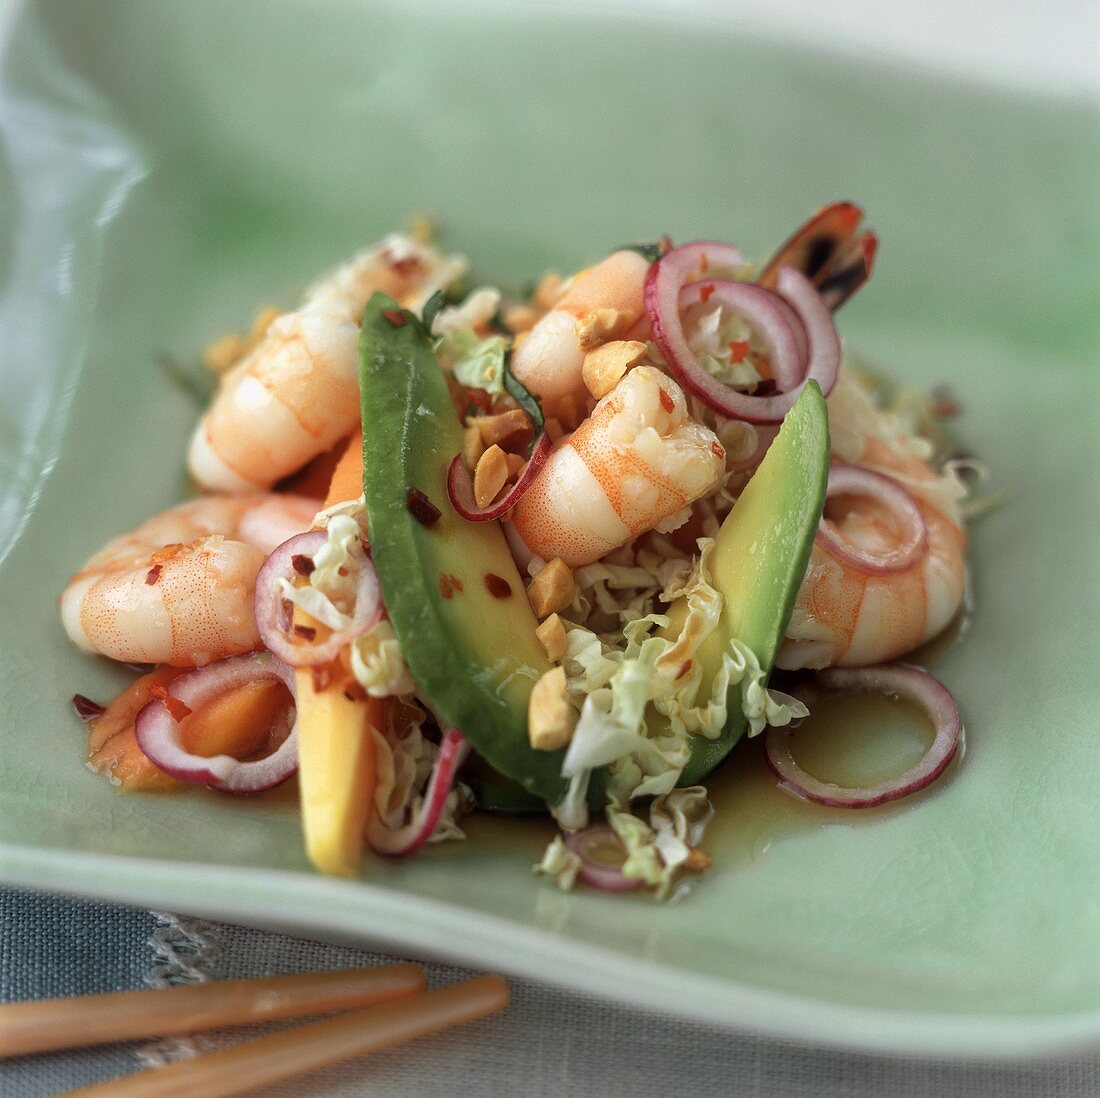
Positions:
{"x": 86, "y": 709}
{"x": 153, "y": 574}
{"x": 666, "y": 401}
{"x": 403, "y": 267}
{"x": 717, "y": 451}
{"x": 480, "y": 400}
{"x": 738, "y": 349}
{"x": 177, "y": 709}
{"x": 685, "y": 669}
{"x": 706, "y": 291}
{"x": 446, "y": 588}
{"x": 666, "y": 243}
{"x": 322, "y": 678}
{"x": 499, "y": 587}
{"x": 302, "y": 564}
{"x": 341, "y": 571}
{"x": 397, "y": 317}
{"x": 306, "y": 632}
{"x": 456, "y": 583}
{"x": 422, "y": 509}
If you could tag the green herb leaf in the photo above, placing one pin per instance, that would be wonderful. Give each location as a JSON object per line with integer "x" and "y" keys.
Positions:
{"x": 431, "y": 309}
{"x": 524, "y": 398}
{"x": 652, "y": 252}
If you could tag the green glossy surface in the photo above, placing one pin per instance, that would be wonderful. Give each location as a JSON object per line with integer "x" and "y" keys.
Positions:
{"x": 760, "y": 557}
{"x": 166, "y": 168}
{"x": 473, "y": 653}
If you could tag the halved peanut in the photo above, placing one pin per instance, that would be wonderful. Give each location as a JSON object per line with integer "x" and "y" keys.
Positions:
{"x": 606, "y": 366}
{"x": 599, "y": 326}
{"x": 551, "y": 634}
{"x": 552, "y": 589}
{"x": 549, "y": 715}
{"x": 490, "y": 475}
{"x": 519, "y": 318}
{"x": 554, "y": 428}
{"x": 547, "y": 291}
{"x": 223, "y": 354}
{"x": 495, "y": 429}
{"x": 516, "y": 462}
{"x": 263, "y": 320}
{"x": 472, "y": 446}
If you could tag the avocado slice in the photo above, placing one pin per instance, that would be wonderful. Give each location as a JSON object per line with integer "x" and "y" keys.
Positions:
{"x": 451, "y": 587}
{"x": 760, "y": 557}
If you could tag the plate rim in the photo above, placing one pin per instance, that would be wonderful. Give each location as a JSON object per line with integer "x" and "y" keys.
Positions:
{"x": 248, "y": 896}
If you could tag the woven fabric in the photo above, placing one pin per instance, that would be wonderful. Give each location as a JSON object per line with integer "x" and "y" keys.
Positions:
{"x": 548, "y": 1043}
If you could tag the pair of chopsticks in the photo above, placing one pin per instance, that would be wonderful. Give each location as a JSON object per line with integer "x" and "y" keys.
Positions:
{"x": 388, "y": 1006}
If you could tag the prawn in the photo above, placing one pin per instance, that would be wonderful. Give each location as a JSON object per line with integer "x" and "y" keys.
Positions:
{"x": 549, "y": 358}
{"x": 178, "y": 589}
{"x": 296, "y": 393}
{"x": 635, "y": 464}
{"x": 845, "y": 616}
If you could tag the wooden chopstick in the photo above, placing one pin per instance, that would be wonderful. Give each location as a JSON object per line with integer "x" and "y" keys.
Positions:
{"x": 52, "y": 1024}
{"x": 266, "y": 1060}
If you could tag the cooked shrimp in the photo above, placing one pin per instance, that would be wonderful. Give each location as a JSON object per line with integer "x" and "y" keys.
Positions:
{"x": 634, "y": 465}
{"x": 548, "y": 360}
{"x": 296, "y": 394}
{"x": 844, "y": 616}
{"x": 178, "y": 589}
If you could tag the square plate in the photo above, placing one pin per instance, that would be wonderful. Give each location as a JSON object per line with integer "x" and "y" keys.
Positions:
{"x": 167, "y": 168}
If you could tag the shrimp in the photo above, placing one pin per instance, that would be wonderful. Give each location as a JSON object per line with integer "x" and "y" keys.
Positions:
{"x": 549, "y": 358}
{"x": 846, "y": 617}
{"x": 296, "y": 394}
{"x": 635, "y": 464}
{"x": 179, "y": 588}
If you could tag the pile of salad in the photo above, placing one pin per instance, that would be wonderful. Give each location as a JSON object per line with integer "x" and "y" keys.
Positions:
{"x": 458, "y": 549}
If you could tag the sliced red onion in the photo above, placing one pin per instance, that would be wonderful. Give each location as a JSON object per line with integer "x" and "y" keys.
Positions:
{"x": 855, "y": 480}
{"x": 896, "y": 680}
{"x": 585, "y": 844}
{"x": 664, "y": 282}
{"x": 766, "y": 313}
{"x": 402, "y": 841}
{"x": 158, "y": 733}
{"x": 460, "y": 485}
{"x": 275, "y": 622}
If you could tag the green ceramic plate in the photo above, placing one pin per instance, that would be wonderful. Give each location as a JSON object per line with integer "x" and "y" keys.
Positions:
{"x": 166, "y": 168}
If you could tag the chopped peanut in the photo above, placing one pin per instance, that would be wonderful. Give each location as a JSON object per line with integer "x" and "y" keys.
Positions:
{"x": 497, "y": 428}
{"x": 472, "y": 446}
{"x": 600, "y": 326}
{"x": 547, "y": 292}
{"x": 519, "y": 318}
{"x": 516, "y": 462}
{"x": 549, "y": 714}
{"x": 422, "y": 230}
{"x": 264, "y": 319}
{"x": 554, "y": 429}
{"x": 606, "y": 366}
{"x": 489, "y": 476}
{"x": 697, "y": 860}
{"x": 551, "y": 633}
{"x": 552, "y": 589}
{"x": 224, "y": 353}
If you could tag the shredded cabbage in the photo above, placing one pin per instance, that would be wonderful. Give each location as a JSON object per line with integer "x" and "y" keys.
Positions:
{"x": 479, "y": 308}
{"x": 474, "y": 362}
{"x": 404, "y": 759}
{"x": 560, "y": 864}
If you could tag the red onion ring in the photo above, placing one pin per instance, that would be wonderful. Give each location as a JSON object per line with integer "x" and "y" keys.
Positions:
{"x": 855, "y": 480}
{"x": 898, "y": 680}
{"x": 768, "y": 315}
{"x": 274, "y": 622}
{"x": 158, "y": 732}
{"x": 460, "y": 485}
{"x": 597, "y": 873}
{"x": 402, "y": 841}
{"x": 665, "y": 280}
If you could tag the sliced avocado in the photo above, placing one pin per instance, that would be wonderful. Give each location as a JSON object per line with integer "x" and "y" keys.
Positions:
{"x": 760, "y": 558}
{"x": 451, "y": 587}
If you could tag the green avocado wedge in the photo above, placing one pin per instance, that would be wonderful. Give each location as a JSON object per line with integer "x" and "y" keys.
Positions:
{"x": 760, "y": 557}
{"x": 473, "y": 653}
